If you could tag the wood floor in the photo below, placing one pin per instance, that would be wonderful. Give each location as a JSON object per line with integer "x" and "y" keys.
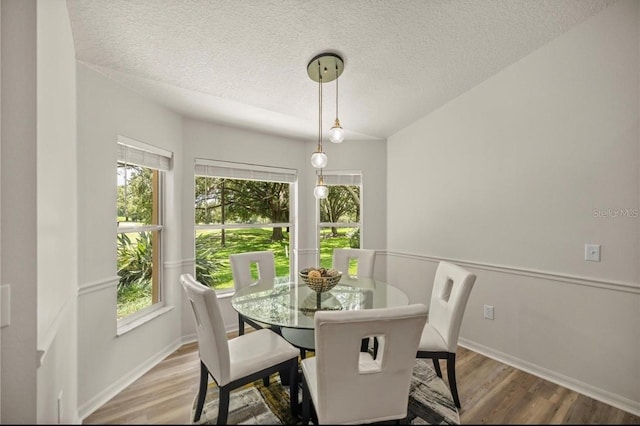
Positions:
{"x": 490, "y": 393}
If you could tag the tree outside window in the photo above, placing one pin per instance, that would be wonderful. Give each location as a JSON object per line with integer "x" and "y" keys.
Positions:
{"x": 339, "y": 225}
{"x": 236, "y": 216}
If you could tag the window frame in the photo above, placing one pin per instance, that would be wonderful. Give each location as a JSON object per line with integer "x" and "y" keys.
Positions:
{"x": 340, "y": 178}
{"x": 252, "y": 172}
{"x": 159, "y": 162}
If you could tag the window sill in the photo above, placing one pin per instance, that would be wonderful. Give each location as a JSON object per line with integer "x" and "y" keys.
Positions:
{"x": 125, "y": 328}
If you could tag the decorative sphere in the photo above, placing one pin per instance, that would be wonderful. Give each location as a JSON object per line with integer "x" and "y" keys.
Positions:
{"x": 321, "y": 191}
{"x": 319, "y": 160}
{"x": 336, "y": 134}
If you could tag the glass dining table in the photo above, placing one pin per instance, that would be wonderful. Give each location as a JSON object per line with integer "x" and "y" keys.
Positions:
{"x": 288, "y": 303}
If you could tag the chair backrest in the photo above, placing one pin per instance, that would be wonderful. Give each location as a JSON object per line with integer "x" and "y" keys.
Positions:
{"x": 349, "y": 390}
{"x": 212, "y": 337}
{"x": 451, "y": 288}
{"x": 241, "y": 267}
{"x": 365, "y": 259}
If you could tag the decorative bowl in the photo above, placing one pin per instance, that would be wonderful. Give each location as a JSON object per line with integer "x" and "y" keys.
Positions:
{"x": 326, "y": 281}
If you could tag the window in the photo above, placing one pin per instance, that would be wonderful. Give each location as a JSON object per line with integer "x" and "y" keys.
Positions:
{"x": 339, "y": 216}
{"x": 140, "y": 171}
{"x": 240, "y": 208}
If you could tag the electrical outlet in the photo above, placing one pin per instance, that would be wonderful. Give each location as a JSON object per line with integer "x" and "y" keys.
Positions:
{"x": 592, "y": 252}
{"x": 488, "y": 312}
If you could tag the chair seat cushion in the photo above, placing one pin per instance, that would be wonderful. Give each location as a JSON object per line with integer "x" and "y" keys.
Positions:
{"x": 431, "y": 340}
{"x": 256, "y": 351}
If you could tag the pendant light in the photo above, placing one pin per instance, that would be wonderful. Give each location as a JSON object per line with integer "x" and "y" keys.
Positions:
{"x": 320, "y": 191}
{"x": 336, "y": 133}
{"x": 318, "y": 70}
{"x": 319, "y": 158}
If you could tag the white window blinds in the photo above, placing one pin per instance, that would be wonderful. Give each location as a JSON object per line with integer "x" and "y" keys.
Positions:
{"x": 342, "y": 178}
{"x": 230, "y": 170}
{"x": 140, "y": 154}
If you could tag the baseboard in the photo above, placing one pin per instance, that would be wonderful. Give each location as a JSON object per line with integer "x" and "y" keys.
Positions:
{"x": 119, "y": 385}
{"x": 609, "y": 398}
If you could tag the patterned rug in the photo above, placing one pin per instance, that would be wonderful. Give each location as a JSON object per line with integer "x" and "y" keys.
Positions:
{"x": 430, "y": 401}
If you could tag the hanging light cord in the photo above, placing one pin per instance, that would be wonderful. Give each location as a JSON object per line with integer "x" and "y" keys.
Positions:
{"x": 336, "y": 90}
{"x": 319, "y": 109}
{"x": 321, "y": 181}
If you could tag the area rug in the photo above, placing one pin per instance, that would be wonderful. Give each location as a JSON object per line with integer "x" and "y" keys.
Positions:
{"x": 430, "y": 402}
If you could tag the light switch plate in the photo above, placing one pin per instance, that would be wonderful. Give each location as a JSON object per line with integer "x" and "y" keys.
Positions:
{"x": 592, "y": 252}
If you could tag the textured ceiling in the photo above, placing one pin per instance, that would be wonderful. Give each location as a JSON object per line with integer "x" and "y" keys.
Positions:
{"x": 243, "y": 62}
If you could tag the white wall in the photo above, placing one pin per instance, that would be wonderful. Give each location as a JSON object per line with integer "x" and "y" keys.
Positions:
{"x": 19, "y": 220}
{"x": 57, "y": 263}
{"x": 106, "y": 362}
{"x": 513, "y": 177}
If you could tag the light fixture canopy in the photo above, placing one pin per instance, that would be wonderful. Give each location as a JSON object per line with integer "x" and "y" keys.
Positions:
{"x": 326, "y": 67}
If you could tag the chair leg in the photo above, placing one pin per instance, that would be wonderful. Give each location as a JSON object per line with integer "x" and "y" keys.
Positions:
{"x": 240, "y": 325}
{"x": 223, "y": 406}
{"x": 202, "y": 391}
{"x": 265, "y": 381}
{"x": 306, "y": 402}
{"x": 436, "y": 366}
{"x": 451, "y": 374}
{"x": 294, "y": 388}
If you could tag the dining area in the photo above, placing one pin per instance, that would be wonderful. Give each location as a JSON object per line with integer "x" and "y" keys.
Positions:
{"x": 338, "y": 345}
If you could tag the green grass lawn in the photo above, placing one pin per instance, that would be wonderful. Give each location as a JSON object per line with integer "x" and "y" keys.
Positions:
{"x": 245, "y": 240}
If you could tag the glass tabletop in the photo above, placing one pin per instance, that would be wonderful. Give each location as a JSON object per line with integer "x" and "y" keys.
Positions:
{"x": 286, "y": 303}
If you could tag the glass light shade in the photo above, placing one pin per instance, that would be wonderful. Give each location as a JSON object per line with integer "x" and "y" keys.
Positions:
{"x": 336, "y": 134}
{"x": 321, "y": 191}
{"x": 319, "y": 160}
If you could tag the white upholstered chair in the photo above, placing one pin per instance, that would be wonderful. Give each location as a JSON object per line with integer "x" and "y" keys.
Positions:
{"x": 235, "y": 362}
{"x": 451, "y": 288}
{"x": 346, "y": 385}
{"x": 365, "y": 259}
{"x": 241, "y": 270}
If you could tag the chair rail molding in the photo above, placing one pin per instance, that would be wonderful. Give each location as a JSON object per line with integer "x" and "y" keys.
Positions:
{"x": 104, "y": 283}
{"x": 627, "y": 287}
